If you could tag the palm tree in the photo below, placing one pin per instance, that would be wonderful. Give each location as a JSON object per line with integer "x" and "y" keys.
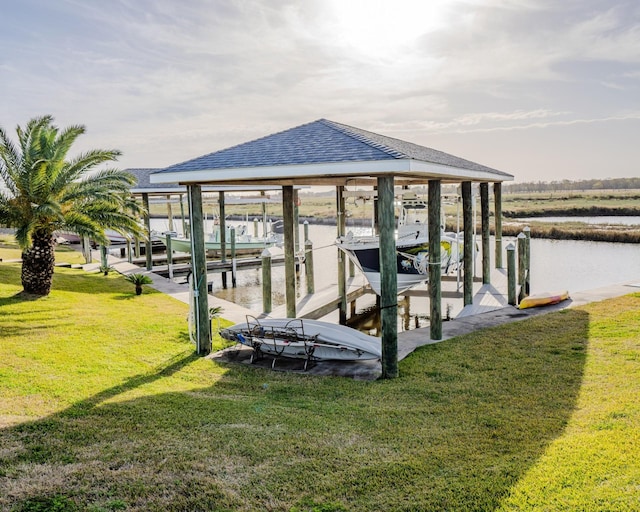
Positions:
{"x": 46, "y": 192}
{"x": 138, "y": 280}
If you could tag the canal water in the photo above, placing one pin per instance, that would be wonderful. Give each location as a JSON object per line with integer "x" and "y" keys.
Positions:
{"x": 555, "y": 265}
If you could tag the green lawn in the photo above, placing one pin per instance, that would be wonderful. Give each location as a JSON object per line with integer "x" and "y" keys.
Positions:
{"x": 104, "y": 407}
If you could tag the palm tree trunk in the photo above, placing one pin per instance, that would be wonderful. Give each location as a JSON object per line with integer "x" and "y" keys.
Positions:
{"x": 38, "y": 262}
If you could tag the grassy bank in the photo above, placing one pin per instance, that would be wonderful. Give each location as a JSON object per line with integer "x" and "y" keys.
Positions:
{"x": 103, "y": 407}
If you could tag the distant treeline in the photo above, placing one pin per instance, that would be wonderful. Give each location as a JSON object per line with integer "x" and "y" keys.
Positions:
{"x": 580, "y": 185}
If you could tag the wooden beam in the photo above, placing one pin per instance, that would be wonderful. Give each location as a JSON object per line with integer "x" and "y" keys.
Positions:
{"x": 486, "y": 239}
{"x": 497, "y": 214}
{"x": 222, "y": 225}
{"x": 342, "y": 274}
{"x": 467, "y": 227}
{"x": 289, "y": 251}
{"x": 388, "y": 278}
{"x": 435, "y": 268}
{"x": 199, "y": 265}
{"x": 147, "y": 227}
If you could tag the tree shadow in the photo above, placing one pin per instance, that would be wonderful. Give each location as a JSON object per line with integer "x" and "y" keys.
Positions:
{"x": 464, "y": 421}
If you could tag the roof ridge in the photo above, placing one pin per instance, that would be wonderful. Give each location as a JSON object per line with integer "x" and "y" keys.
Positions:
{"x": 357, "y": 134}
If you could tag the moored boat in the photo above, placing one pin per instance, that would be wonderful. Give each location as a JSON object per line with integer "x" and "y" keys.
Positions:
{"x": 412, "y": 248}
{"x": 244, "y": 242}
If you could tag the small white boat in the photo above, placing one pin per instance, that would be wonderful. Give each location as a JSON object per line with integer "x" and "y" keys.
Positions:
{"x": 244, "y": 242}
{"x": 311, "y": 340}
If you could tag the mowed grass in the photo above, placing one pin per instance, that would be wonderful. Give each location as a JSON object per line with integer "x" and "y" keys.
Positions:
{"x": 103, "y": 406}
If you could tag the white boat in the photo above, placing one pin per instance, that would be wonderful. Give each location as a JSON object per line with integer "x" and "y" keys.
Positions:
{"x": 412, "y": 248}
{"x": 304, "y": 339}
{"x": 244, "y": 242}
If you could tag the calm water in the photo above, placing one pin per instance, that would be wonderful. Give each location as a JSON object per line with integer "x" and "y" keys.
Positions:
{"x": 612, "y": 220}
{"x": 555, "y": 264}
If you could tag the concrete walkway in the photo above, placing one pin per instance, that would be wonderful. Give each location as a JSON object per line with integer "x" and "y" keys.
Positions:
{"x": 408, "y": 341}
{"x": 489, "y": 310}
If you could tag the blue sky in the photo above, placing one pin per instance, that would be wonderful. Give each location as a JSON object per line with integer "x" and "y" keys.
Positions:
{"x": 542, "y": 89}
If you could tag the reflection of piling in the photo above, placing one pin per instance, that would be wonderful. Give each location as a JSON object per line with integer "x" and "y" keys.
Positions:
{"x": 266, "y": 281}
{"x": 511, "y": 274}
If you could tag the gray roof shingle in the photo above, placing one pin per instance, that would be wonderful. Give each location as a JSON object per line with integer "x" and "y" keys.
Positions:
{"x": 322, "y": 141}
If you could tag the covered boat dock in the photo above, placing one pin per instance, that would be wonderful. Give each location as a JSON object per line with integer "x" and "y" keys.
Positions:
{"x": 326, "y": 153}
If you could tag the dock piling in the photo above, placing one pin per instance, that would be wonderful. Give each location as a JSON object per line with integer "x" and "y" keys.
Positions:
{"x": 232, "y": 233}
{"x": 308, "y": 264}
{"x": 511, "y": 274}
{"x": 266, "y": 281}
{"x": 522, "y": 265}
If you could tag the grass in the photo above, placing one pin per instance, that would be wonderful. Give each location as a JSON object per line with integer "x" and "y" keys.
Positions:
{"x": 103, "y": 406}
{"x": 9, "y": 250}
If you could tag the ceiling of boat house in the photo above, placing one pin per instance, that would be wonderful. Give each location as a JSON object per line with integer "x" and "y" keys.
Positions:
{"x": 325, "y": 153}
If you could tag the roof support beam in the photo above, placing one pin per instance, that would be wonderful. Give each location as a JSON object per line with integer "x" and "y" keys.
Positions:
{"x": 435, "y": 256}
{"x": 199, "y": 277}
{"x": 342, "y": 273}
{"x": 467, "y": 228}
{"x": 484, "y": 214}
{"x": 289, "y": 251}
{"x": 388, "y": 278}
{"x": 497, "y": 215}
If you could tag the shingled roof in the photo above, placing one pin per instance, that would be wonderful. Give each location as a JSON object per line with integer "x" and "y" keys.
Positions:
{"x": 320, "y": 151}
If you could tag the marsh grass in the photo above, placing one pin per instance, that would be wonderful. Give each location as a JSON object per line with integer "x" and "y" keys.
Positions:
{"x": 105, "y": 407}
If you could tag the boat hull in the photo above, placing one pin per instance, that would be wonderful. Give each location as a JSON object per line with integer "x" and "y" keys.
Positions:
{"x": 543, "y": 299}
{"x": 305, "y": 339}
{"x": 412, "y": 260}
{"x": 184, "y": 245}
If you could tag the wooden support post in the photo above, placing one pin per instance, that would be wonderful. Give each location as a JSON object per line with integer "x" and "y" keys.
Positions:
{"x": 296, "y": 220}
{"x": 169, "y": 256}
{"x": 306, "y": 231}
{"x": 255, "y": 228}
{"x": 522, "y": 265}
{"x": 223, "y": 236}
{"x": 266, "y": 281}
{"x": 468, "y": 248}
{"x": 527, "y": 259}
{"x": 388, "y": 277}
{"x": 169, "y": 213}
{"x": 497, "y": 214}
{"x": 232, "y": 233}
{"x": 435, "y": 264}
{"x": 289, "y": 251}
{"x": 511, "y": 274}
{"x": 147, "y": 227}
{"x": 308, "y": 266}
{"x": 182, "y": 217}
{"x": 199, "y": 266}
{"x": 264, "y": 215}
{"x": 342, "y": 278}
{"x": 486, "y": 239}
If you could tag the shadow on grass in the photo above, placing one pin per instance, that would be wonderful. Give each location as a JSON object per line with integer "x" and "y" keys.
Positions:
{"x": 462, "y": 424}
